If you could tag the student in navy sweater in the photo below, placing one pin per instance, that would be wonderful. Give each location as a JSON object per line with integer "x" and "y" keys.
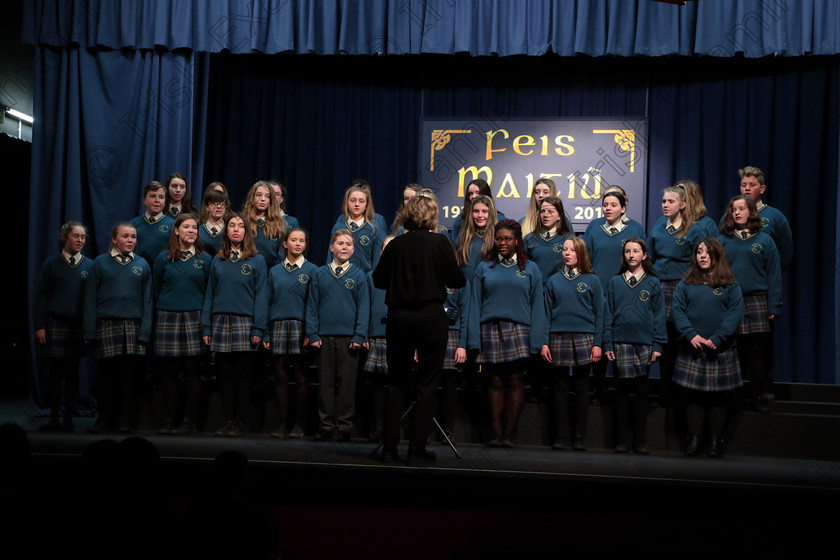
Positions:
{"x": 698, "y": 207}
{"x": 773, "y": 222}
{"x": 707, "y": 308}
{"x": 154, "y": 225}
{"x": 544, "y": 246}
{"x": 178, "y": 197}
{"x": 281, "y": 193}
{"x": 574, "y": 303}
{"x": 754, "y": 260}
{"x": 477, "y": 187}
{"x": 367, "y": 228}
{"x": 58, "y": 321}
{"x": 288, "y": 289}
{"x": 118, "y": 317}
{"x": 180, "y": 277}
{"x": 376, "y": 361}
{"x": 266, "y": 224}
{"x": 672, "y": 241}
{"x": 635, "y": 334}
{"x": 605, "y": 238}
{"x": 507, "y": 322}
{"x": 234, "y": 319}
{"x": 475, "y": 240}
{"x": 337, "y": 315}
{"x": 215, "y": 207}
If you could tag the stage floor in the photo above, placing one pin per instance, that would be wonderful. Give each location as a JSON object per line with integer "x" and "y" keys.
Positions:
{"x": 524, "y": 502}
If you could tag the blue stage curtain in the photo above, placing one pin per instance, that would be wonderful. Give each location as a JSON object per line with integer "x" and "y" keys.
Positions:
{"x": 109, "y": 122}
{"x": 708, "y": 118}
{"x": 719, "y": 28}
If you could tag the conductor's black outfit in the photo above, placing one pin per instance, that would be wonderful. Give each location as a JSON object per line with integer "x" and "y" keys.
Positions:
{"x": 415, "y": 269}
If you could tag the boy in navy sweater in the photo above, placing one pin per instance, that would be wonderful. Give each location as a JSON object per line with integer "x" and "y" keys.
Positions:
{"x": 153, "y": 225}
{"x": 337, "y": 314}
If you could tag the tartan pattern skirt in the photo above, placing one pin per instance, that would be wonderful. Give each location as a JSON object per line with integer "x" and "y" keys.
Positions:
{"x": 178, "y": 334}
{"x": 570, "y": 349}
{"x": 287, "y": 337}
{"x": 376, "y": 361}
{"x": 64, "y": 338}
{"x": 755, "y": 318}
{"x": 118, "y": 337}
{"x": 631, "y": 360}
{"x": 708, "y": 371}
{"x": 503, "y": 341}
{"x": 231, "y": 333}
{"x": 668, "y": 287}
{"x": 451, "y": 347}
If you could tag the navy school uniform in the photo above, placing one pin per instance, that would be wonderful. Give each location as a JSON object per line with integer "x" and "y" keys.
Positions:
{"x": 606, "y": 248}
{"x": 754, "y": 260}
{"x": 636, "y": 317}
{"x": 475, "y": 256}
{"x": 546, "y": 253}
{"x": 574, "y": 305}
{"x": 235, "y": 304}
{"x": 59, "y": 301}
{"x": 712, "y": 313}
{"x": 180, "y": 286}
{"x": 367, "y": 244}
{"x": 456, "y": 228}
{"x": 776, "y": 225}
{"x": 337, "y": 314}
{"x": 670, "y": 252}
{"x": 152, "y": 237}
{"x": 376, "y": 360}
{"x": 270, "y": 247}
{"x": 288, "y": 291}
{"x": 378, "y": 222}
{"x": 291, "y": 222}
{"x": 118, "y": 306}
{"x": 504, "y": 295}
{"x": 211, "y": 240}
{"x": 456, "y": 306}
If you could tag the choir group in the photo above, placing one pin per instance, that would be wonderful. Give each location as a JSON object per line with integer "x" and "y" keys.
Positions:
{"x": 185, "y": 283}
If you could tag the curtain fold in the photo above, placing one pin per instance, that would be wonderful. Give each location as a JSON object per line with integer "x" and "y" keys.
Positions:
{"x": 718, "y": 28}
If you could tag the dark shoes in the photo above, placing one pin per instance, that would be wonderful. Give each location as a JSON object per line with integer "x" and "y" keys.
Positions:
{"x": 692, "y": 446}
{"x": 296, "y": 433}
{"x": 507, "y": 441}
{"x": 715, "y": 447}
{"x": 186, "y": 428}
{"x": 389, "y": 456}
{"x": 420, "y": 457}
{"x": 642, "y": 449}
{"x": 579, "y": 445}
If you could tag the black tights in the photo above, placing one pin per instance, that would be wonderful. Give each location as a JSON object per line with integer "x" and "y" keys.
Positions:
{"x": 623, "y": 387}
{"x": 560, "y": 392}
{"x": 505, "y": 396}
{"x": 192, "y": 387}
{"x": 63, "y": 379}
{"x": 235, "y": 384}
{"x": 281, "y": 390}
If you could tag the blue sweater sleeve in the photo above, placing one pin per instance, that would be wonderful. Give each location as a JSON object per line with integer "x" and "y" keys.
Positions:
{"x": 313, "y": 301}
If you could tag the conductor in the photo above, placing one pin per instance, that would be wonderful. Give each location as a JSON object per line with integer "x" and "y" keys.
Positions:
{"x": 415, "y": 269}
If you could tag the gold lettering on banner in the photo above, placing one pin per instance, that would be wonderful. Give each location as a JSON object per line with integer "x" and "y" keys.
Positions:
{"x": 626, "y": 140}
{"x": 441, "y": 138}
{"x": 474, "y": 171}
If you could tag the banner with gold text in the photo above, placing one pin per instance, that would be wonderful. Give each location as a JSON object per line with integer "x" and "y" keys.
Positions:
{"x": 582, "y": 156}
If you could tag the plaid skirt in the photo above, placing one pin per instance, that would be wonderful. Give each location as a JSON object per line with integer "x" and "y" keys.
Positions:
{"x": 178, "y": 334}
{"x": 503, "y": 341}
{"x": 376, "y": 361}
{"x": 755, "y": 318}
{"x": 707, "y": 371}
{"x": 631, "y": 360}
{"x": 451, "y": 347}
{"x": 118, "y": 337}
{"x": 287, "y": 337}
{"x": 231, "y": 333}
{"x": 668, "y": 287}
{"x": 570, "y": 349}
{"x": 64, "y": 338}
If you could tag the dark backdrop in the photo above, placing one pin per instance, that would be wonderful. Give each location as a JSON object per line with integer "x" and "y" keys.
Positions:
{"x": 317, "y": 122}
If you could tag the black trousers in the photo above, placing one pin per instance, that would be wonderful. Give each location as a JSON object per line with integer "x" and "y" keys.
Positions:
{"x": 424, "y": 331}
